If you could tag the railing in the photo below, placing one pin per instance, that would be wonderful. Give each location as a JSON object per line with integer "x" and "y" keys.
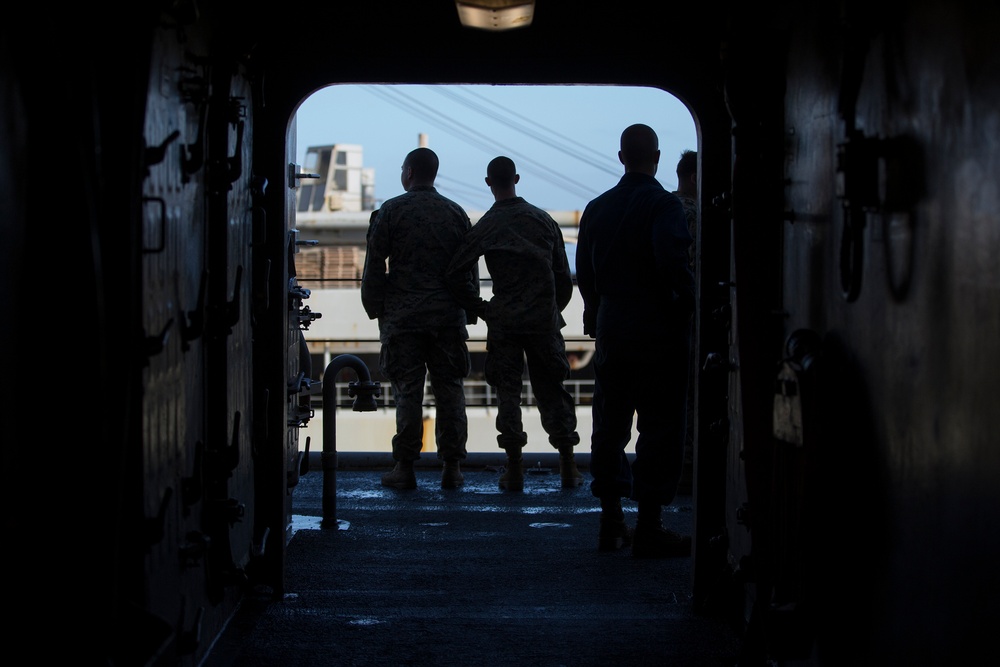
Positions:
{"x": 477, "y": 394}
{"x": 346, "y": 328}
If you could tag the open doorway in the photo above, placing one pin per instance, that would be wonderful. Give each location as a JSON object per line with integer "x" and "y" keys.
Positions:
{"x": 352, "y": 138}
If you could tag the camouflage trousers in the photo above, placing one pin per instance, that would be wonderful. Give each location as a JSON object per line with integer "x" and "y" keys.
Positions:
{"x": 548, "y": 369}
{"x": 408, "y": 359}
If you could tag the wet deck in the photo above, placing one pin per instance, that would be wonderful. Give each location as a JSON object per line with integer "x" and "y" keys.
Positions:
{"x": 472, "y": 576}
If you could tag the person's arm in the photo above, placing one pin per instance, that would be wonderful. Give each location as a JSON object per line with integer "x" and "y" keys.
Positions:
{"x": 462, "y": 279}
{"x": 671, "y": 241}
{"x": 585, "y": 279}
{"x": 373, "y": 279}
{"x": 561, "y": 273}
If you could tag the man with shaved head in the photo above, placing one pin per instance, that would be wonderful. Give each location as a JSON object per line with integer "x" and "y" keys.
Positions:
{"x": 638, "y": 293}
{"x": 422, "y": 328}
{"x": 532, "y": 284}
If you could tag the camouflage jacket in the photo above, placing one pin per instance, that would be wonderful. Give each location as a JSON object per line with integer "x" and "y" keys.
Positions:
{"x": 411, "y": 239}
{"x": 691, "y": 214}
{"x": 526, "y": 258}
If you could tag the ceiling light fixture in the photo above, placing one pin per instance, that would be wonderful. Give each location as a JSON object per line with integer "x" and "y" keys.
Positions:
{"x": 495, "y": 14}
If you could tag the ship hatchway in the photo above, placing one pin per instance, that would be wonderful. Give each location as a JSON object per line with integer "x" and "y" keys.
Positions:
{"x": 350, "y": 142}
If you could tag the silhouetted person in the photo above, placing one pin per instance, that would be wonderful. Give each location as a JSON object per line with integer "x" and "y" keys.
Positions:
{"x": 638, "y": 292}
{"x": 687, "y": 192}
{"x": 422, "y": 327}
{"x": 532, "y": 284}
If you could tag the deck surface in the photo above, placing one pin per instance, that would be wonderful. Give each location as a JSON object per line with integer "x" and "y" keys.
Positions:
{"x": 471, "y": 576}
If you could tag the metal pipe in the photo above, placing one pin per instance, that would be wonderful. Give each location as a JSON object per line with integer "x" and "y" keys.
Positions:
{"x": 364, "y": 391}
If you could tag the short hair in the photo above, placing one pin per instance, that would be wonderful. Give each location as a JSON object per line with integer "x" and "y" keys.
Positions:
{"x": 687, "y": 165}
{"x": 501, "y": 171}
{"x": 639, "y": 144}
{"x": 424, "y": 163}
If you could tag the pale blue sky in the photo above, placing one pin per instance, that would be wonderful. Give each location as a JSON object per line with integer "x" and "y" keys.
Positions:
{"x": 563, "y": 139}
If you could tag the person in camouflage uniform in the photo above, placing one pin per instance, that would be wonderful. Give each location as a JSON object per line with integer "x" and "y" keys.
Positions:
{"x": 532, "y": 284}
{"x": 422, "y": 328}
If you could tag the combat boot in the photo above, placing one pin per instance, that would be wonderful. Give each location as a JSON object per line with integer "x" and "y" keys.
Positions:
{"x": 401, "y": 476}
{"x": 614, "y": 532}
{"x": 568, "y": 471}
{"x": 451, "y": 475}
{"x": 513, "y": 477}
